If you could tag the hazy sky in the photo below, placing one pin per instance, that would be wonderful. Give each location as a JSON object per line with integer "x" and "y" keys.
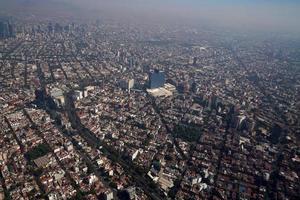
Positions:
{"x": 256, "y": 14}
{"x": 273, "y": 15}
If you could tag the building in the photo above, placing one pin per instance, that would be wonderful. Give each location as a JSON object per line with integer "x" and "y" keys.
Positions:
{"x": 195, "y": 61}
{"x": 6, "y": 29}
{"x": 131, "y": 62}
{"x": 109, "y": 195}
{"x": 184, "y": 87}
{"x": 87, "y": 90}
{"x": 127, "y": 84}
{"x": 42, "y": 161}
{"x": 164, "y": 91}
{"x": 132, "y": 192}
{"x": 156, "y": 79}
{"x": 78, "y": 94}
{"x": 58, "y": 96}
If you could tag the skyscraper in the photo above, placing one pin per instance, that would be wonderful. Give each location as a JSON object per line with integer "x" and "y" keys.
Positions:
{"x": 126, "y": 84}
{"x": 131, "y": 62}
{"x": 6, "y": 29}
{"x": 156, "y": 79}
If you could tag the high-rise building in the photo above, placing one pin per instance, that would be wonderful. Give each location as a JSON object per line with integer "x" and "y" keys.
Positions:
{"x": 183, "y": 87}
{"x": 127, "y": 84}
{"x": 195, "y": 61}
{"x": 6, "y": 29}
{"x": 146, "y": 68}
{"x": 50, "y": 28}
{"x": 2, "y": 29}
{"x": 156, "y": 79}
{"x": 131, "y": 62}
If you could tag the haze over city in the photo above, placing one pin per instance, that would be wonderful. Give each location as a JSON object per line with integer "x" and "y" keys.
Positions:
{"x": 255, "y": 15}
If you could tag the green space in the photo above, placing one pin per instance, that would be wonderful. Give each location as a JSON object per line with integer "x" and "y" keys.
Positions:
{"x": 38, "y": 151}
{"x": 188, "y": 133}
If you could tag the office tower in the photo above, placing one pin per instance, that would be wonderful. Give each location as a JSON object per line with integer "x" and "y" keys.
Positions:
{"x": 184, "y": 87}
{"x": 58, "y": 28}
{"x": 6, "y": 29}
{"x": 156, "y": 79}
{"x": 3, "y": 29}
{"x": 195, "y": 61}
{"x": 50, "y": 28}
{"x": 131, "y": 62}
{"x": 126, "y": 84}
{"x": 146, "y": 68}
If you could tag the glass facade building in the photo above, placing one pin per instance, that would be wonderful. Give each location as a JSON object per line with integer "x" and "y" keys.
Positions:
{"x": 156, "y": 79}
